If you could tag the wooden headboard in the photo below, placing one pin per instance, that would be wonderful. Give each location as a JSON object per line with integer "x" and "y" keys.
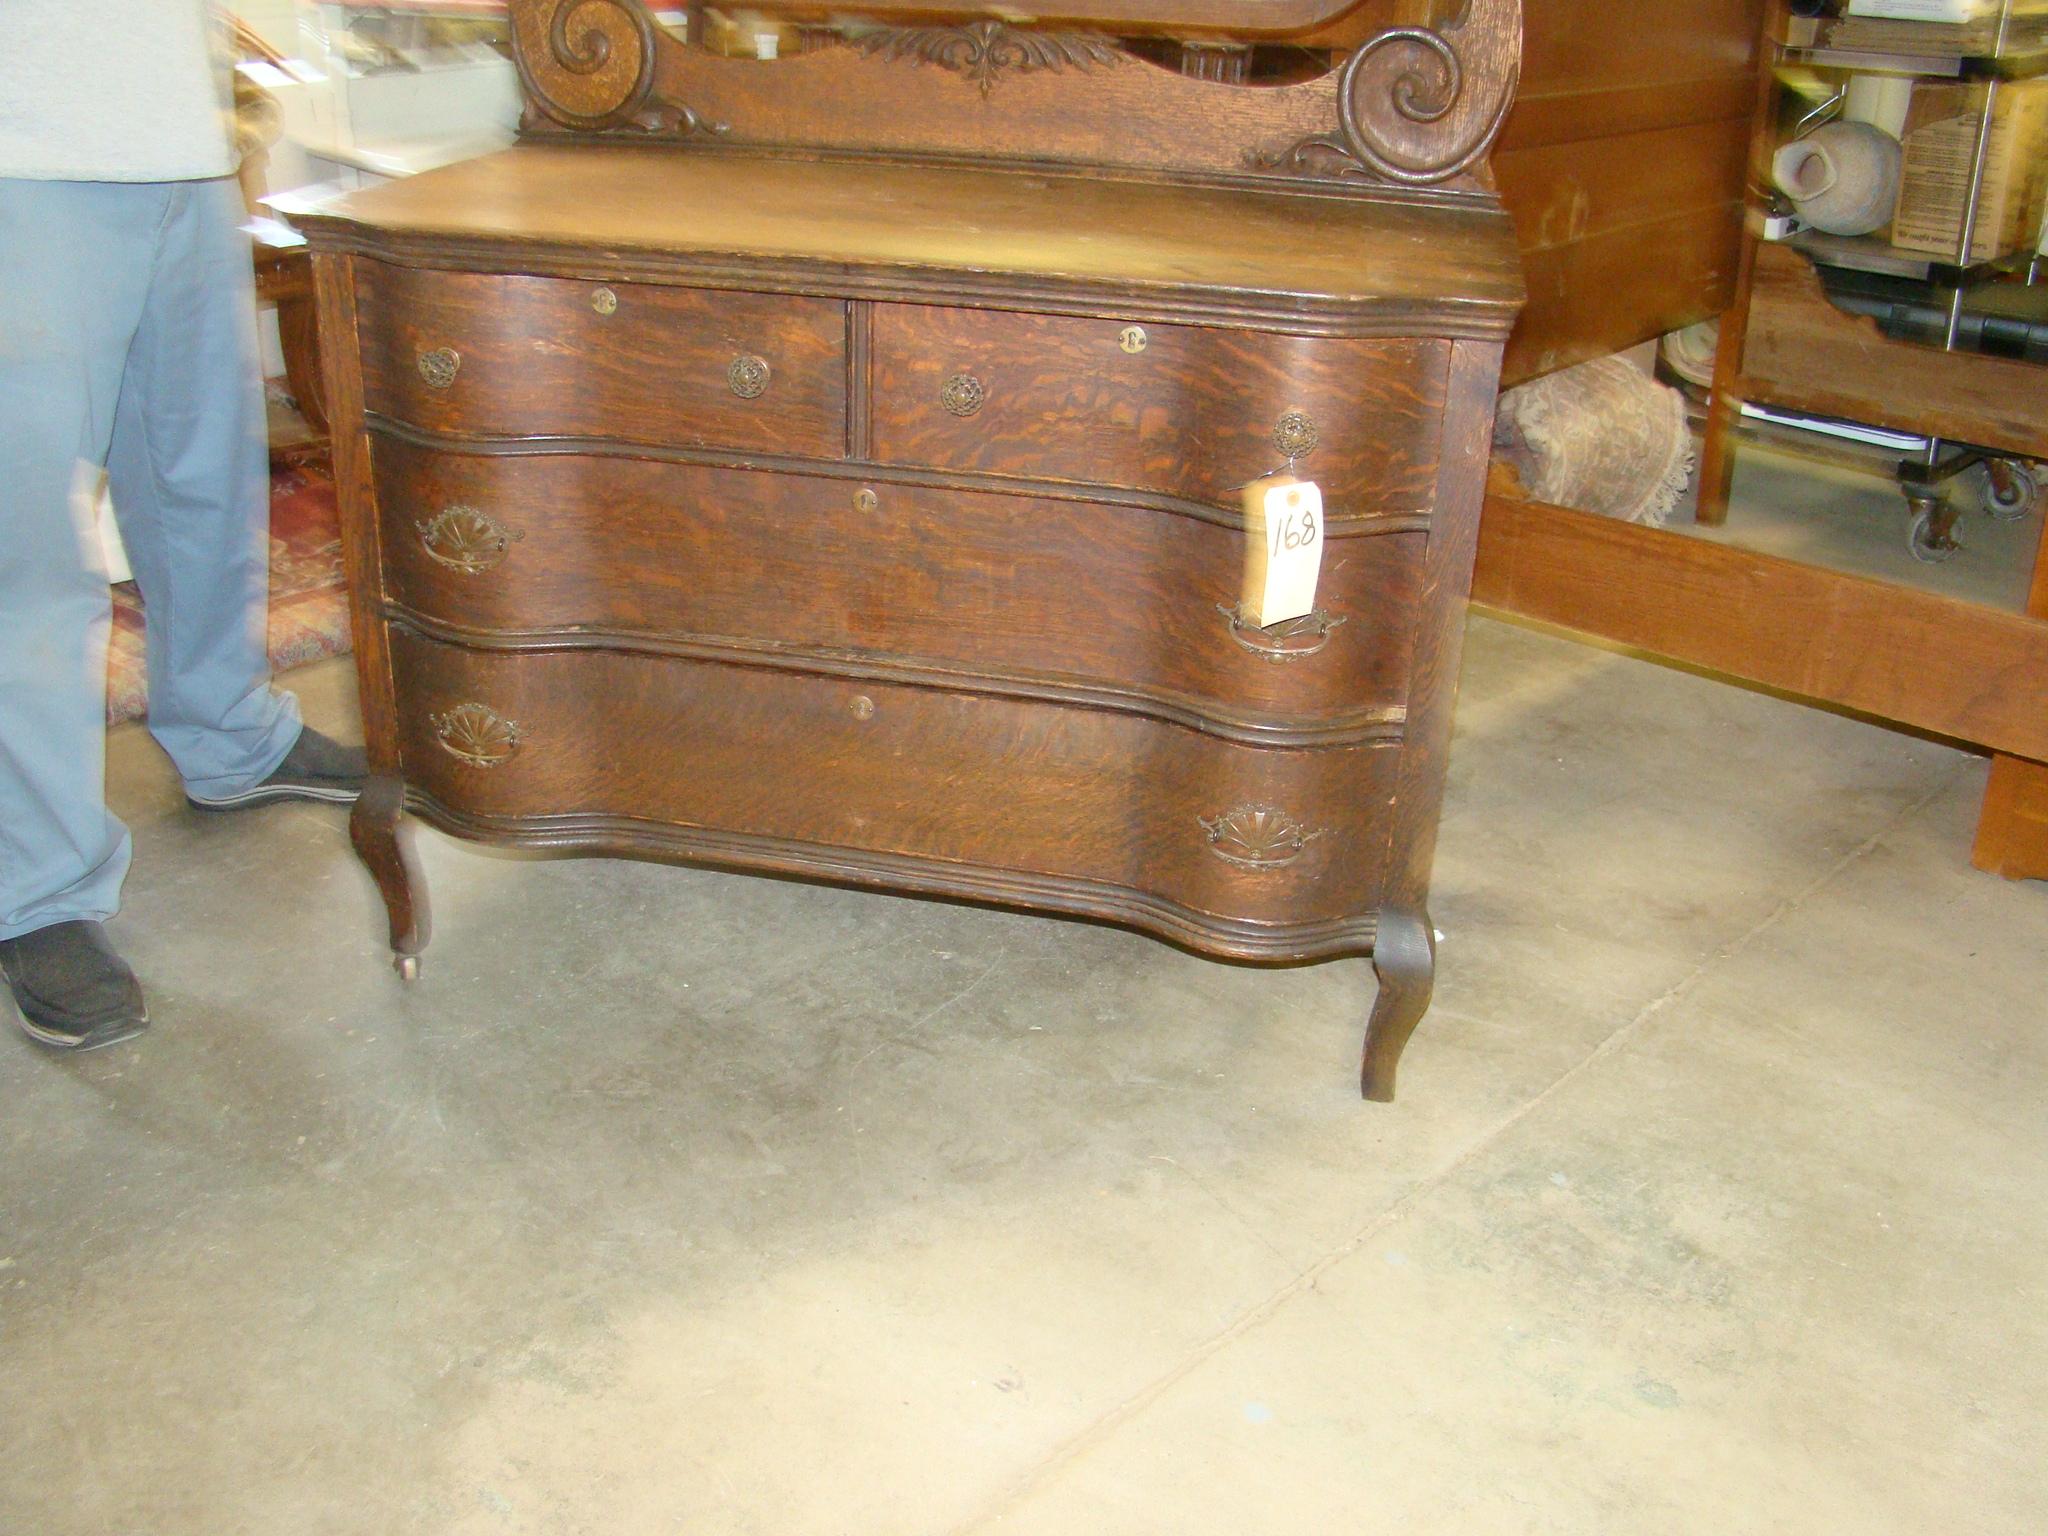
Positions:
{"x": 1623, "y": 163}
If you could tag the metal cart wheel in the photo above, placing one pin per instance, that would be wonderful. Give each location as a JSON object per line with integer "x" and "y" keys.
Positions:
{"x": 2012, "y": 488}
{"x": 1932, "y": 539}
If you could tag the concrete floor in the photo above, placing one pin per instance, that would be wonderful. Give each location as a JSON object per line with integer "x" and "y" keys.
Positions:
{"x": 670, "y": 1201}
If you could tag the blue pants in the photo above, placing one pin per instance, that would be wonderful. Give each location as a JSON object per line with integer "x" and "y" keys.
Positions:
{"x": 127, "y": 341}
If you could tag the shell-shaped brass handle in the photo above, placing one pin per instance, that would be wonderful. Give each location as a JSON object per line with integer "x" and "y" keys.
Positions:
{"x": 748, "y": 376}
{"x": 962, "y": 394}
{"x": 1295, "y": 435}
{"x": 465, "y": 539}
{"x": 438, "y": 366}
{"x": 1257, "y": 836}
{"x": 1289, "y": 640}
{"x": 477, "y": 734}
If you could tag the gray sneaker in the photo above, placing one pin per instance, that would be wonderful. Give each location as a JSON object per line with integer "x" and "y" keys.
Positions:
{"x": 73, "y": 992}
{"x": 316, "y": 768}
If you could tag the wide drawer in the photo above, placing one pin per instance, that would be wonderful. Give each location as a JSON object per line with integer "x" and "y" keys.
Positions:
{"x": 540, "y": 356}
{"x": 1187, "y": 411}
{"x": 1115, "y": 602}
{"x": 766, "y": 765}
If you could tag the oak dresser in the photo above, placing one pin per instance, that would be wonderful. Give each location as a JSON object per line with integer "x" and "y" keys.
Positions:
{"x": 834, "y": 466}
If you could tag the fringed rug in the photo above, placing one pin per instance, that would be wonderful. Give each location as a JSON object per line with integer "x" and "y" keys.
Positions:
{"x": 308, "y": 603}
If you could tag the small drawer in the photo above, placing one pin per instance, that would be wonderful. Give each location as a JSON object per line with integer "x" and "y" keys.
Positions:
{"x": 783, "y": 761}
{"x": 1130, "y": 604}
{"x": 1185, "y": 411}
{"x": 540, "y": 356}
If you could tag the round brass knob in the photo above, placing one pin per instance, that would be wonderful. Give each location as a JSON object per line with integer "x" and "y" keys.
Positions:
{"x": 604, "y": 301}
{"x": 1295, "y": 435}
{"x": 438, "y": 366}
{"x": 748, "y": 376}
{"x": 962, "y": 394}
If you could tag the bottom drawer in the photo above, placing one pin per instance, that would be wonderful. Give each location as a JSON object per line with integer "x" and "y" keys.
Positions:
{"x": 1251, "y": 851}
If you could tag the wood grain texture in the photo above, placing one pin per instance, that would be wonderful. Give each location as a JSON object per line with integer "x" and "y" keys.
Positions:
{"x": 1122, "y": 606}
{"x": 334, "y": 280}
{"x": 1804, "y": 354}
{"x": 943, "y": 604}
{"x": 2012, "y": 831}
{"x": 1623, "y": 164}
{"x": 1953, "y": 668}
{"x": 536, "y": 357}
{"x": 944, "y": 777}
{"x": 1412, "y": 105}
{"x": 1408, "y": 977}
{"x": 981, "y": 236}
{"x": 1193, "y": 414}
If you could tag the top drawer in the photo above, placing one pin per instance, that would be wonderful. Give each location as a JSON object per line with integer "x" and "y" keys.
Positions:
{"x": 1189, "y": 411}
{"x": 540, "y": 356}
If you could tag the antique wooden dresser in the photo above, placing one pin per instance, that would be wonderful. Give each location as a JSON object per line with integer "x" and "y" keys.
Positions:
{"x": 832, "y": 465}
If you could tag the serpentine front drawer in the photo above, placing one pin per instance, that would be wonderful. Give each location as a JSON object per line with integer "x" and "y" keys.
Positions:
{"x": 510, "y": 356}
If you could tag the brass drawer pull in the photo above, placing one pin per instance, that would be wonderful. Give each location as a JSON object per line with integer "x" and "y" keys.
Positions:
{"x": 477, "y": 734}
{"x": 1289, "y": 640}
{"x": 438, "y": 366}
{"x": 962, "y": 394}
{"x": 1295, "y": 435}
{"x": 1257, "y": 837}
{"x": 748, "y": 376}
{"x": 465, "y": 539}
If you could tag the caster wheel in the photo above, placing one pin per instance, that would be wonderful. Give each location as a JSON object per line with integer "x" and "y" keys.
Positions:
{"x": 2011, "y": 489}
{"x": 1930, "y": 542}
{"x": 407, "y": 966}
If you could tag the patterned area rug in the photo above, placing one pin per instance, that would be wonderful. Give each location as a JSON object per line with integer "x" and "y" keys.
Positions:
{"x": 308, "y": 603}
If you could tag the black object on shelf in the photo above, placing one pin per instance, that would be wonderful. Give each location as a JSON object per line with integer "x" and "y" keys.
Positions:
{"x": 2007, "y": 320}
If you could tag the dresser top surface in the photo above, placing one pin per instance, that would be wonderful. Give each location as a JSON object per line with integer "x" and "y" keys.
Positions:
{"x": 836, "y": 225}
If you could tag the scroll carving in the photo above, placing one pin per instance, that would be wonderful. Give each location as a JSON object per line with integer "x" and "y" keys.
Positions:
{"x": 1416, "y": 106}
{"x": 589, "y": 64}
{"x": 987, "y": 50}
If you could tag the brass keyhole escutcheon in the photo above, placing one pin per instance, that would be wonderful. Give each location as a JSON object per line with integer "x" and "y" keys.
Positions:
{"x": 863, "y": 707}
{"x": 1132, "y": 339}
{"x": 438, "y": 366}
{"x": 604, "y": 301}
{"x": 1294, "y": 434}
{"x": 748, "y": 376}
{"x": 865, "y": 499}
{"x": 962, "y": 394}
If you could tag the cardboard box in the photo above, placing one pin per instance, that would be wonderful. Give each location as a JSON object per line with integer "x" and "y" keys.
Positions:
{"x": 1942, "y": 125}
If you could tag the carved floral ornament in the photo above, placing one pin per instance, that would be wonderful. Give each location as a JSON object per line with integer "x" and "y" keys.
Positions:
{"x": 1257, "y": 836}
{"x": 477, "y": 734}
{"x": 987, "y": 50}
{"x": 1414, "y": 105}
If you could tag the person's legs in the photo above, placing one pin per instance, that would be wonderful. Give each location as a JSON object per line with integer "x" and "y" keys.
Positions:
{"x": 189, "y": 471}
{"x": 74, "y": 267}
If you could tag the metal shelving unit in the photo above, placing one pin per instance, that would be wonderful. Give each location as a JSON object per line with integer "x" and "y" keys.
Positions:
{"x": 2018, "y": 51}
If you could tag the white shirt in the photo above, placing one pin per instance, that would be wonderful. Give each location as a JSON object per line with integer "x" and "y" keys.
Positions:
{"x": 112, "y": 90}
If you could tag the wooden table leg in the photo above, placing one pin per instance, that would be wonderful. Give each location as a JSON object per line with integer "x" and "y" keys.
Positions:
{"x": 2012, "y": 830}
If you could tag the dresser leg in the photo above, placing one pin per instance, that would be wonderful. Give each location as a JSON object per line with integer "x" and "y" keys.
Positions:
{"x": 383, "y": 842}
{"x": 1404, "y": 954}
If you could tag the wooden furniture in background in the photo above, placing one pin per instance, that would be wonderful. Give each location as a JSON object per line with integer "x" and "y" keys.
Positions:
{"x": 1785, "y": 344}
{"x": 1899, "y": 653}
{"x": 832, "y": 466}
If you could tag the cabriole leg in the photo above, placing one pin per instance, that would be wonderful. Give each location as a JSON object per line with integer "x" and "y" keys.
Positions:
{"x": 1404, "y": 954}
{"x": 383, "y": 841}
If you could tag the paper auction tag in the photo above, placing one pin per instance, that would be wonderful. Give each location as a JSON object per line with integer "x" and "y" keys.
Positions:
{"x": 1283, "y": 552}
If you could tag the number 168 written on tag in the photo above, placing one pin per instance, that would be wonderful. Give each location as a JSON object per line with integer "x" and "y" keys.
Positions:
{"x": 1283, "y": 520}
